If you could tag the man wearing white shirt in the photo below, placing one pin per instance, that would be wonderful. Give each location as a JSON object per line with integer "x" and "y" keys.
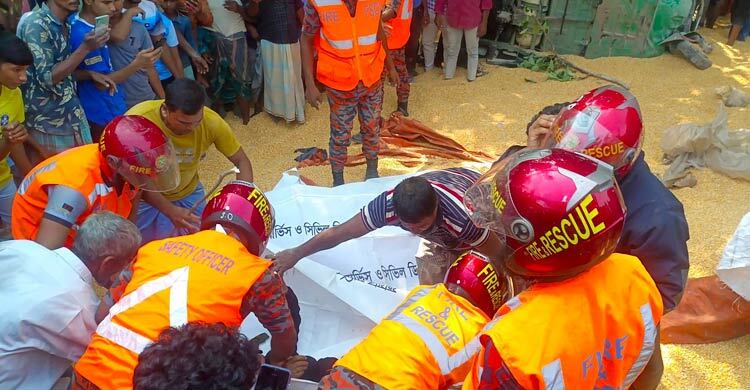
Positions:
{"x": 47, "y": 298}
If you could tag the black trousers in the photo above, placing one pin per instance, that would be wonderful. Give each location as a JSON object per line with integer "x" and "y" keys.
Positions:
{"x": 412, "y": 46}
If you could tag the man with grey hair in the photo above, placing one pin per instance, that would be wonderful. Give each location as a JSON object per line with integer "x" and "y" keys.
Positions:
{"x": 48, "y": 302}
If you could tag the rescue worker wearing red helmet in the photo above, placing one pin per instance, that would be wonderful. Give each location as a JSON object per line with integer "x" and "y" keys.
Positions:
{"x": 214, "y": 275}
{"x": 590, "y": 318}
{"x": 62, "y": 191}
{"x": 606, "y": 123}
{"x": 429, "y": 340}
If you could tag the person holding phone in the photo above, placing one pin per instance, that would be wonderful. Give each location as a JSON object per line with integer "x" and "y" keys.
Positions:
{"x": 98, "y": 90}
{"x": 54, "y": 117}
{"x": 144, "y": 84}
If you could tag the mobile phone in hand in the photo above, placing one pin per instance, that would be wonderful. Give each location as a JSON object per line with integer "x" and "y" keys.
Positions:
{"x": 101, "y": 24}
{"x": 273, "y": 377}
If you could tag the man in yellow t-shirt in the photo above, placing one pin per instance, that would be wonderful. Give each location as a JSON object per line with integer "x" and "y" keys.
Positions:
{"x": 15, "y": 57}
{"x": 192, "y": 128}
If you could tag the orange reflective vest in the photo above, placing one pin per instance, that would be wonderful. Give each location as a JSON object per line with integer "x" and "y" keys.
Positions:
{"x": 594, "y": 331}
{"x": 200, "y": 277}
{"x": 348, "y": 49}
{"x": 78, "y": 168}
{"x": 428, "y": 342}
{"x": 399, "y": 28}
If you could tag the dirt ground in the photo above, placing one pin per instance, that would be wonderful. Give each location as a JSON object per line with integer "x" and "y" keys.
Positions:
{"x": 490, "y": 115}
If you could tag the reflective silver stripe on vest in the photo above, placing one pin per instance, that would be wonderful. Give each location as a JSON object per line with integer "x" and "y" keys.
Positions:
{"x": 405, "y": 12}
{"x": 177, "y": 281}
{"x": 465, "y": 354}
{"x": 513, "y": 303}
{"x": 430, "y": 340}
{"x": 327, "y": 3}
{"x": 343, "y": 44}
{"x": 446, "y": 363}
{"x": 553, "y": 376}
{"x": 27, "y": 181}
{"x": 100, "y": 189}
{"x": 647, "y": 349}
{"x": 367, "y": 39}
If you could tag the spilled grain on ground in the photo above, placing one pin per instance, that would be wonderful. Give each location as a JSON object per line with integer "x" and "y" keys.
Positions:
{"x": 491, "y": 113}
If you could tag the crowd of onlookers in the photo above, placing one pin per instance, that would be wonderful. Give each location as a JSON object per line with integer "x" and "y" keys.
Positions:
{"x": 81, "y": 63}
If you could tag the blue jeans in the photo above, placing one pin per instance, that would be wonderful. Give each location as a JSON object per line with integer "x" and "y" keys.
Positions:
{"x": 7, "y": 193}
{"x": 745, "y": 31}
{"x": 156, "y": 226}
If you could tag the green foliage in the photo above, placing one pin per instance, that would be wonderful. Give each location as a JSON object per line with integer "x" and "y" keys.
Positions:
{"x": 533, "y": 24}
{"x": 554, "y": 69}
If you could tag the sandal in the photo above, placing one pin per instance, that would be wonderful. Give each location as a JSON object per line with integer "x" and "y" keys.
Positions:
{"x": 480, "y": 72}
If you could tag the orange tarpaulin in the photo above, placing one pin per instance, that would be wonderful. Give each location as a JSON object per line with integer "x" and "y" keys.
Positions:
{"x": 410, "y": 142}
{"x": 709, "y": 312}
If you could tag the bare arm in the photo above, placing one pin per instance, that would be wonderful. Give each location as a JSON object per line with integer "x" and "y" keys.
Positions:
{"x": 181, "y": 217}
{"x": 21, "y": 159}
{"x": 133, "y": 217}
{"x": 242, "y": 162}
{"x": 171, "y": 58}
{"x": 153, "y": 80}
{"x": 69, "y": 65}
{"x": 283, "y": 345}
{"x": 121, "y": 75}
{"x": 5, "y": 148}
{"x": 388, "y": 60}
{"x": 390, "y": 10}
{"x": 51, "y": 234}
{"x": 306, "y": 46}
{"x": 90, "y": 42}
{"x": 121, "y": 29}
{"x": 651, "y": 374}
{"x": 185, "y": 45}
{"x": 493, "y": 247}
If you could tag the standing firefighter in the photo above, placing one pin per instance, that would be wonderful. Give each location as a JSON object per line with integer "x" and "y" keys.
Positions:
{"x": 397, "y": 19}
{"x": 352, "y": 51}
{"x": 62, "y": 191}
{"x": 590, "y": 318}
{"x": 214, "y": 275}
{"x": 429, "y": 341}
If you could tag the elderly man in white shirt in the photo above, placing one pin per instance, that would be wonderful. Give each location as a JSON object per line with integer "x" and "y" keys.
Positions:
{"x": 47, "y": 298}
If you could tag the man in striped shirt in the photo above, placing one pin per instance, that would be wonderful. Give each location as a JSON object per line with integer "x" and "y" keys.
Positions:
{"x": 429, "y": 205}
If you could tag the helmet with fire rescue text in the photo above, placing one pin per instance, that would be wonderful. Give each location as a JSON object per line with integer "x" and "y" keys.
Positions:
{"x": 560, "y": 212}
{"x": 605, "y": 123}
{"x": 243, "y": 207}
{"x": 474, "y": 277}
{"x": 137, "y": 149}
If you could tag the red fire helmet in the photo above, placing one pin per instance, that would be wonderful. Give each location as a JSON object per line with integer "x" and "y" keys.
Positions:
{"x": 137, "y": 149}
{"x": 560, "y": 212}
{"x": 243, "y": 207}
{"x": 606, "y": 124}
{"x": 486, "y": 288}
